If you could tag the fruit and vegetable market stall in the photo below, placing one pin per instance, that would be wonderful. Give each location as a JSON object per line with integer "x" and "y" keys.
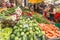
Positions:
{"x": 16, "y": 24}
{"x": 18, "y": 27}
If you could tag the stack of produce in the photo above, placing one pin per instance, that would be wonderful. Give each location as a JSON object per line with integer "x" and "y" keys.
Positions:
{"x": 5, "y": 33}
{"x": 8, "y": 11}
{"x": 26, "y": 29}
{"x": 10, "y": 17}
{"x": 40, "y": 19}
{"x": 50, "y": 30}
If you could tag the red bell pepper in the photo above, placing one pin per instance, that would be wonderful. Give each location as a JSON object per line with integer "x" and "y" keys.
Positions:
{"x": 29, "y": 14}
{"x": 22, "y": 13}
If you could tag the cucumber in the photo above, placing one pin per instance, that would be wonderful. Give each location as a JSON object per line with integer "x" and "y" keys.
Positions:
{"x": 16, "y": 38}
{"x": 19, "y": 38}
{"x": 25, "y": 37}
{"x": 22, "y": 33}
{"x": 31, "y": 37}
{"x": 27, "y": 33}
{"x": 18, "y": 34}
{"x": 12, "y": 36}
{"x": 35, "y": 38}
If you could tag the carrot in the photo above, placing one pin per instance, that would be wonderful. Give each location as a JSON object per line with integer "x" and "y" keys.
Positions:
{"x": 53, "y": 27}
{"x": 58, "y": 33}
{"x": 50, "y": 36}
{"x": 51, "y": 31}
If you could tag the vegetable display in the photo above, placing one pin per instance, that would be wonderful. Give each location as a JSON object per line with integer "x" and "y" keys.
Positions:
{"x": 50, "y": 30}
{"x": 40, "y": 19}
{"x": 5, "y": 33}
{"x": 26, "y": 29}
{"x": 18, "y": 25}
{"x": 8, "y": 11}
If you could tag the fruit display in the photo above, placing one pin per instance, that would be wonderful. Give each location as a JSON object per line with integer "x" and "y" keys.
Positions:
{"x": 26, "y": 29}
{"x": 51, "y": 31}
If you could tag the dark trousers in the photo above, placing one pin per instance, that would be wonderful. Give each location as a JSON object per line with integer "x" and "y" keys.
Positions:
{"x": 51, "y": 17}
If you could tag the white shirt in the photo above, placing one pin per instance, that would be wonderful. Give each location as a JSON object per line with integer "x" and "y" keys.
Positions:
{"x": 54, "y": 11}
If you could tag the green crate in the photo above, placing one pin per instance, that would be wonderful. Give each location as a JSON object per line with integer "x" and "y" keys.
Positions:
{"x": 57, "y": 24}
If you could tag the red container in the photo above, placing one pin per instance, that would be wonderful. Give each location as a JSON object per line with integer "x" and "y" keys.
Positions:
{"x": 57, "y": 15}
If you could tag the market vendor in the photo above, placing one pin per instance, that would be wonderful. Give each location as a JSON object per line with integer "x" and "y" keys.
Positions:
{"x": 31, "y": 8}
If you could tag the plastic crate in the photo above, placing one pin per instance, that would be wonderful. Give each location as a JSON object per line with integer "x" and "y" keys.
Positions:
{"x": 57, "y": 24}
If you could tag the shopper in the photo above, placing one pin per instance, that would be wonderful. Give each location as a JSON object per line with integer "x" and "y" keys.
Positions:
{"x": 51, "y": 12}
{"x": 31, "y": 8}
{"x": 45, "y": 11}
{"x": 4, "y": 4}
{"x": 35, "y": 7}
{"x": 8, "y": 4}
{"x": 41, "y": 7}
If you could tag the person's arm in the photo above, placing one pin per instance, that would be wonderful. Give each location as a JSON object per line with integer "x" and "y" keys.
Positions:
{"x": 50, "y": 12}
{"x": 41, "y": 8}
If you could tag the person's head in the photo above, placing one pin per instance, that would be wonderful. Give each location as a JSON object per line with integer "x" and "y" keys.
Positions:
{"x": 31, "y": 6}
{"x": 43, "y": 3}
{"x": 51, "y": 6}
